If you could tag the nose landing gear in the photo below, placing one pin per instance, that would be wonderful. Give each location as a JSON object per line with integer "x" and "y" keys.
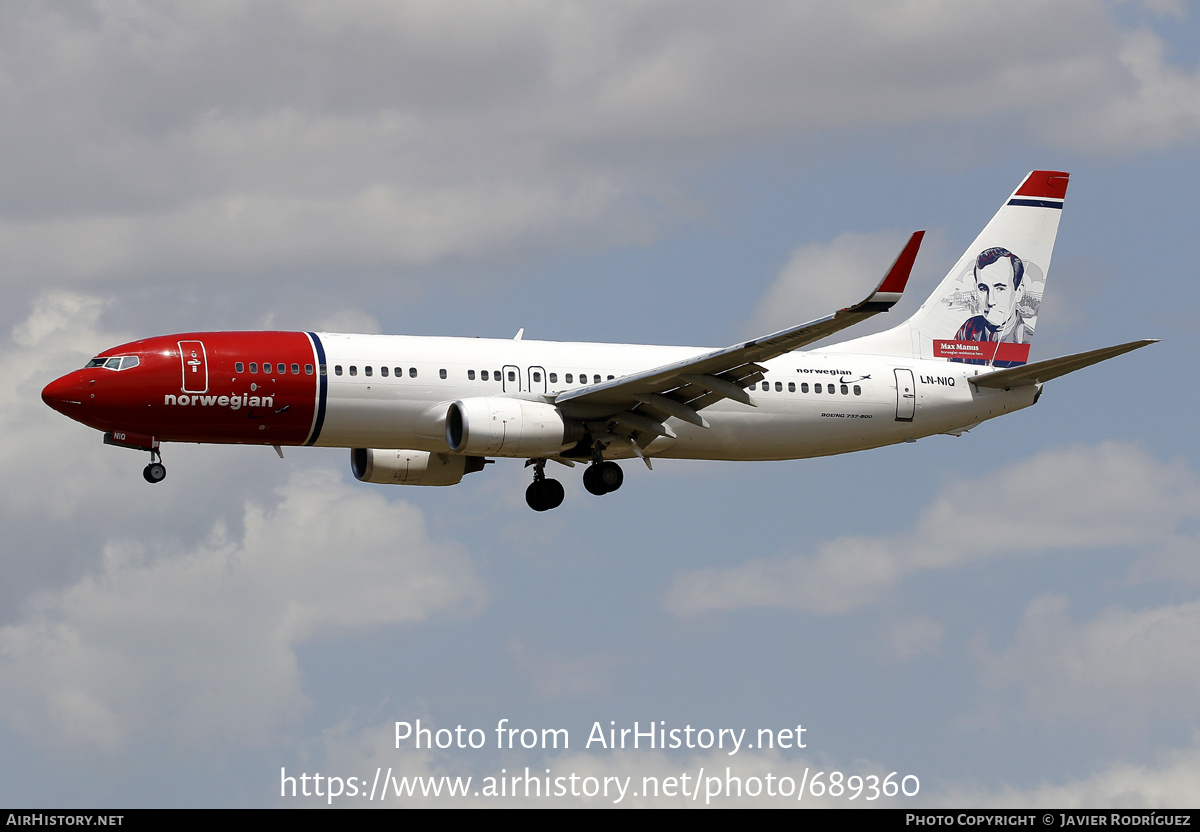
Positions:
{"x": 155, "y": 472}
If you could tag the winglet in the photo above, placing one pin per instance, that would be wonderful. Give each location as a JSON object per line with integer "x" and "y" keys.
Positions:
{"x": 892, "y": 286}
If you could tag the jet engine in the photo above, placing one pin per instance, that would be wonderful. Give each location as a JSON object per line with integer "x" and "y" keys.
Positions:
{"x": 397, "y": 466}
{"x": 499, "y": 426}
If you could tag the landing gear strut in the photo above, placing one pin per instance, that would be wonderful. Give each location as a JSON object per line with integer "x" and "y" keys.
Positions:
{"x": 155, "y": 472}
{"x": 543, "y": 493}
{"x": 603, "y": 477}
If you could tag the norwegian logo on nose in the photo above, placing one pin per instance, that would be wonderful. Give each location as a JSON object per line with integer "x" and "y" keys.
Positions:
{"x": 195, "y": 366}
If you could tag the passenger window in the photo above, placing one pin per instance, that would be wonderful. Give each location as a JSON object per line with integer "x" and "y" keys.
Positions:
{"x": 512, "y": 376}
{"x": 816, "y": 388}
{"x": 295, "y": 369}
{"x": 857, "y": 390}
{"x": 399, "y": 372}
{"x": 324, "y": 370}
{"x": 383, "y": 371}
{"x": 537, "y": 376}
{"x": 441, "y": 373}
{"x": 779, "y": 387}
{"x": 308, "y": 369}
{"x": 470, "y": 375}
{"x": 367, "y": 371}
{"x": 337, "y": 369}
{"x": 239, "y": 367}
{"x": 412, "y": 372}
{"x": 570, "y": 378}
{"x": 845, "y": 390}
{"x": 353, "y": 370}
{"x": 791, "y": 387}
{"x": 483, "y": 375}
{"x": 804, "y": 387}
{"x": 831, "y": 390}
{"x": 254, "y": 366}
{"x": 610, "y": 378}
{"x": 554, "y": 378}
{"x": 596, "y": 379}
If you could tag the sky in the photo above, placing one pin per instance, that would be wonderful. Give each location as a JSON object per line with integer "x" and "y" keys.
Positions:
{"x": 1007, "y": 618}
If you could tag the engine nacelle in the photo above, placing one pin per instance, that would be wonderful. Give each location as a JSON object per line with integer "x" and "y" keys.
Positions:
{"x": 398, "y": 466}
{"x": 500, "y": 426}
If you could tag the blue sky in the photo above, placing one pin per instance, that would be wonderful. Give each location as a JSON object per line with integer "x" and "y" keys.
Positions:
{"x": 1011, "y": 615}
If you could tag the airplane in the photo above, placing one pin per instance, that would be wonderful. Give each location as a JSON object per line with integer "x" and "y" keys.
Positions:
{"x": 430, "y": 410}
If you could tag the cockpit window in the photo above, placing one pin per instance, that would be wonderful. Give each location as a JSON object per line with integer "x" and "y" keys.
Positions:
{"x": 119, "y": 362}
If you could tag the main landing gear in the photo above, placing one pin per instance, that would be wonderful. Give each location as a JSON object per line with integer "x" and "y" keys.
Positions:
{"x": 155, "y": 472}
{"x": 603, "y": 477}
{"x": 543, "y": 493}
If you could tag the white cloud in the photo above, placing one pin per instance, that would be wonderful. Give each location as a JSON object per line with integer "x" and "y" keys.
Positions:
{"x": 57, "y": 474}
{"x": 200, "y": 645}
{"x": 1108, "y": 495}
{"x": 1160, "y": 107}
{"x": 908, "y": 638}
{"x": 822, "y": 277}
{"x": 164, "y": 141}
{"x": 571, "y": 679}
{"x": 1173, "y": 781}
{"x": 1120, "y": 669}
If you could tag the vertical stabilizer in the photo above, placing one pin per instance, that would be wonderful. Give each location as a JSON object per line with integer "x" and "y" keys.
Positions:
{"x": 985, "y": 310}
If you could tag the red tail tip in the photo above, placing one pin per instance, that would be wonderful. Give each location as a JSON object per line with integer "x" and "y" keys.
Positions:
{"x": 1045, "y": 184}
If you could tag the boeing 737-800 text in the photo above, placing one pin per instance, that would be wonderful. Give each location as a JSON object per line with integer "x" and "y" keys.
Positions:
{"x": 427, "y": 411}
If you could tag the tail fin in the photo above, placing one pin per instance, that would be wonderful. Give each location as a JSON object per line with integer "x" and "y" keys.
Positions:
{"x": 985, "y": 310}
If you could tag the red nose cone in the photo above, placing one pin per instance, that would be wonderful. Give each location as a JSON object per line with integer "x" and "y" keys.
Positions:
{"x": 65, "y": 394}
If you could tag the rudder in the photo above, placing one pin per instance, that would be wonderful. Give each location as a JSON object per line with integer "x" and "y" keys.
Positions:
{"x": 985, "y": 310}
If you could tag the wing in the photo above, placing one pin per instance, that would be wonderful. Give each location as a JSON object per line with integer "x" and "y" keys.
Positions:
{"x": 1042, "y": 371}
{"x": 638, "y": 404}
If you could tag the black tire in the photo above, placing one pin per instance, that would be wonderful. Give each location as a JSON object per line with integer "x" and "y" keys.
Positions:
{"x": 603, "y": 478}
{"x": 591, "y": 481}
{"x": 155, "y": 472}
{"x": 611, "y": 475}
{"x": 543, "y": 495}
{"x": 553, "y": 493}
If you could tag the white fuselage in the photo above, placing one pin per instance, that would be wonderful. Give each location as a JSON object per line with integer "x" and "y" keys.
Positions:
{"x": 864, "y": 401}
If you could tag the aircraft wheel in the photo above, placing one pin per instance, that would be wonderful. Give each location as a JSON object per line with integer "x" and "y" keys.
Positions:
{"x": 543, "y": 495}
{"x": 553, "y": 492}
{"x": 603, "y": 478}
{"x": 155, "y": 472}
{"x": 591, "y": 481}
{"x": 611, "y": 475}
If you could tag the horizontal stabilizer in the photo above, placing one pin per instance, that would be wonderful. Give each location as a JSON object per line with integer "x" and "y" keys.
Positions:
{"x": 1045, "y": 370}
